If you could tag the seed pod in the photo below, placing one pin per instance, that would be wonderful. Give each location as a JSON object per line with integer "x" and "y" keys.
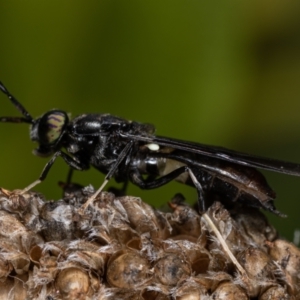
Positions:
{"x": 184, "y": 219}
{"x": 154, "y": 295}
{"x": 164, "y": 227}
{"x": 287, "y": 254}
{"x": 57, "y": 220}
{"x": 87, "y": 255}
{"x": 57, "y": 248}
{"x": 287, "y": 257}
{"x": 229, "y": 230}
{"x": 229, "y": 291}
{"x": 259, "y": 269}
{"x": 127, "y": 269}
{"x": 106, "y": 212}
{"x": 10, "y": 226}
{"x": 172, "y": 268}
{"x": 73, "y": 284}
{"x": 213, "y": 279}
{"x": 254, "y": 225}
{"x": 110, "y": 221}
{"x": 13, "y": 202}
{"x": 5, "y": 268}
{"x": 197, "y": 256}
{"x": 18, "y": 260}
{"x": 120, "y": 294}
{"x": 100, "y": 234}
{"x": 140, "y": 215}
{"x": 275, "y": 293}
{"x": 190, "y": 290}
{"x": 13, "y": 288}
{"x": 35, "y": 254}
{"x": 30, "y": 240}
{"x": 134, "y": 243}
{"x": 6, "y": 288}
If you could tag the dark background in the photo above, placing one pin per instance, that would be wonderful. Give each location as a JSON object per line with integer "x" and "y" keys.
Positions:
{"x": 225, "y": 74}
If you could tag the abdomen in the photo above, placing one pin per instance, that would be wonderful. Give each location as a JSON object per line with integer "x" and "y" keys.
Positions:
{"x": 232, "y": 182}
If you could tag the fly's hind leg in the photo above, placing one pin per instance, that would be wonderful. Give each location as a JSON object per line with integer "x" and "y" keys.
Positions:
{"x": 137, "y": 179}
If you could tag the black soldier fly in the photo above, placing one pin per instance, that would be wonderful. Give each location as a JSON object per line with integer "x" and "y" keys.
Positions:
{"x": 128, "y": 151}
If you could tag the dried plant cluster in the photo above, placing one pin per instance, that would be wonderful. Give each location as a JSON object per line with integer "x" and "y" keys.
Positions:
{"x": 121, "y": 248}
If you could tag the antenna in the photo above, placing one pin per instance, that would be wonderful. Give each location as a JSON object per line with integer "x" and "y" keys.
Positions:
{"x": 27, "y": 117}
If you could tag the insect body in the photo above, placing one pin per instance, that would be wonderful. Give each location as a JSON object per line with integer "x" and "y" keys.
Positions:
{"x": 129, "y": 150}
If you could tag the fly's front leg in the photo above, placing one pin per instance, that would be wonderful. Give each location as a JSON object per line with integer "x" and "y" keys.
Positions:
{"x": 68, "y": 159}
{"x": 137, "y": 178}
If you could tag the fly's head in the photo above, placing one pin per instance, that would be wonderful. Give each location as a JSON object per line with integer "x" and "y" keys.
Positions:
{"x": 47, "y": 130}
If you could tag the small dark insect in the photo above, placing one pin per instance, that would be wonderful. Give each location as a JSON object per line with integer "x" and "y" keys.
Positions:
{"x": 129, "y": 151}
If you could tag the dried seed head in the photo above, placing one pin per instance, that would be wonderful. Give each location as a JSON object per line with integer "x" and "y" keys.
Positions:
{"x": 121, "y": 248}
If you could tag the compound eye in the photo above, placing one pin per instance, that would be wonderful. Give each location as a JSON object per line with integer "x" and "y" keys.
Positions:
{"x": 51, "y": 126}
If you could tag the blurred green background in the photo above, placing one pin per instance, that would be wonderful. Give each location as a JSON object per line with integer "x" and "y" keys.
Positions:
{"x": 225, "y": 74}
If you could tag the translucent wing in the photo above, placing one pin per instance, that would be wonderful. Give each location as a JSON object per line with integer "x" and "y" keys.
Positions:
{"x": 223, "y": 154}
